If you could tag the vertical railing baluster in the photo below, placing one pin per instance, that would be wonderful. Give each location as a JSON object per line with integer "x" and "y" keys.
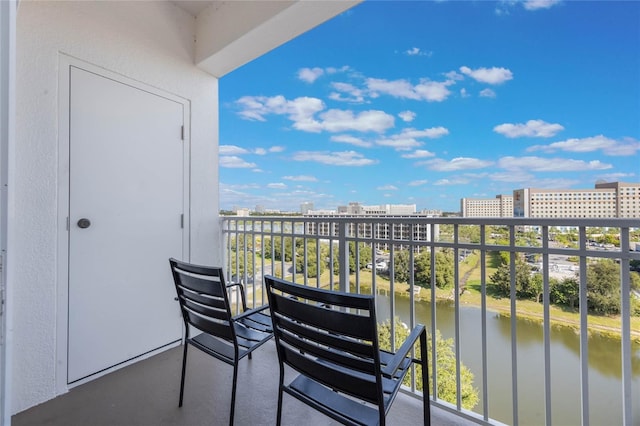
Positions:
{"x": 514, "y": 342}
{"x": 546, "y": 322}
{"x": 625, "y": 312}
{"x": 434, "y": 357}
{"x": 584, "y": 332}
{"x": 483, "y": 308}
{"x": 343, "y": 252}
{"x": 456, "y": 318}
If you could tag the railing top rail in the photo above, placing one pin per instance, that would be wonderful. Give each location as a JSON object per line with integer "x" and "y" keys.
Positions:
{"x": 498, "y": 221}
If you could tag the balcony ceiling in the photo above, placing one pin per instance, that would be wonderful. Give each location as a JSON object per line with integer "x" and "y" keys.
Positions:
{"x": 231, "y": 33}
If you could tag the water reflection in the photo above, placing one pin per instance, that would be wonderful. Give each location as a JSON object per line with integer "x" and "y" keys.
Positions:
{"x": 605, "y": 369}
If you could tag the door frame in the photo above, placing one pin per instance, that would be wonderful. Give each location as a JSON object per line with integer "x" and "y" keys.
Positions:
{"x": 8, "y": 10}
{"x": 62, "y": 291}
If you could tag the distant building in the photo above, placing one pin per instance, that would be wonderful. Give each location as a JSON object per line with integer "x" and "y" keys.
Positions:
{"x": 306, "y": 208}
{"x": 355, "y": 208}
{"x": 377, "y": 228}
{"x": 500, "y": 206}
{"x": 260, "y": 209}
{"x": 606, "y": 200}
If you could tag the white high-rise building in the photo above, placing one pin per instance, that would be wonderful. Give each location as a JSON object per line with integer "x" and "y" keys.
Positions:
{"x": 606, "y": 200}
{"x": 500, "y": 206}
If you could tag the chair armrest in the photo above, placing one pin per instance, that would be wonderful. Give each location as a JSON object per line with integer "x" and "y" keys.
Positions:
{"x": 251, "y": 312}
{"x": 242, "y": 294}
{"x": 390, "y": 369}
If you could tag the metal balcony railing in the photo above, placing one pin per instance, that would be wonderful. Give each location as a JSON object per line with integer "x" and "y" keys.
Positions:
{"x": 386, "y": 256}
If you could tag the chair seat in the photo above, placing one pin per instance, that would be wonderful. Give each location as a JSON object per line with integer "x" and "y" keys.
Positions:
{"x": 327, "y": 400}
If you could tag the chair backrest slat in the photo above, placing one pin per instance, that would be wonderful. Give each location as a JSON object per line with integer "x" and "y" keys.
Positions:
{"x": 215, "y": 328}
{"x": 362, "y": 386}
{"x": 213, "y": 311}
{"x": 209, "y": 285}
{"x": 353, "y": 346}
{"x": 358, "y": 326}
{"x": 330, "y": 354}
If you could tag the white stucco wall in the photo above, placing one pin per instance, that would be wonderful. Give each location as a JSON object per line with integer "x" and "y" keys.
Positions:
{"x": 152, "y": 42}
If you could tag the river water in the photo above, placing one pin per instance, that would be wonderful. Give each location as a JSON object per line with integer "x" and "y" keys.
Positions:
{"x": 605, "y": 385}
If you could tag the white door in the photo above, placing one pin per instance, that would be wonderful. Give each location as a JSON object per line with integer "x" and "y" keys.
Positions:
{"x": 126, "y": 198}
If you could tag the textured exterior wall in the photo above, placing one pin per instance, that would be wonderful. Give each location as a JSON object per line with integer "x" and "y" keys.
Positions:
{"x": 152, "y": 42}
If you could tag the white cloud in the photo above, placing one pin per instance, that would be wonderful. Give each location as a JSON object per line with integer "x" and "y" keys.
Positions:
{"x": 419, "y": 153}
{"x": 276, "y": 185}
{"x": 453, "y": 181}
{"x": 387, "y": 188}
{"x": 416, "y": 51}
{"x": 408, "y": 138}
{"x": 260, "y": 151}
{"x": 354, "y": 95}
{"x": 343, "y": 158}
{"x": 614, "y": 177}
{"x": 234, "y": 162}
{"x": 418, "y": 182}
{"x": 351, "y": 140}
{"x": 298, "y": 110}
{"x": 539, "y": 4}
{"x": 431, "y": 133}
{"x": 334, "y": 70}
{"x": 532, "y": 128}
{"x": 487, "y": 93}
{"x": 608, "y": 146}
{"x": 276, "y": 148}
{"x": 335, "y": 120}
{"x": 430, "y": 91}
{"x": 464, "y": 94}
{"x": 460, "y": 163}
{"x": 300, "y": 178}
{"x": 407, "y": 116}
{"x": 302, "y": 111}
{"x": 309, "y": 75}
{"x": 231, "y": 150}
{"x": 492, "y": 75}
{"x": 539, "y": 164}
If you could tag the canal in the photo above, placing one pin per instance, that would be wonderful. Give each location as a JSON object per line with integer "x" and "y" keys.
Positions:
{"x": 605, "y": 385}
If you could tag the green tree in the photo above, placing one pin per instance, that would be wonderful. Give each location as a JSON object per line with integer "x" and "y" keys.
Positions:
{"x": 526, "y": 286}
{"x": 444, "y": 269}
{"x": 401, "y": 266}
{"x": 310, "y": 268}
{"x": 565, "y": 292}
{"x": 446, "y": 361}
{"x": 364, "y": 256}
{"x": 603, "y": 287}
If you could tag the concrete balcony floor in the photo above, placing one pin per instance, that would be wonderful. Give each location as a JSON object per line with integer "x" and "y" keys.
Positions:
{"x": 146, "y": 394}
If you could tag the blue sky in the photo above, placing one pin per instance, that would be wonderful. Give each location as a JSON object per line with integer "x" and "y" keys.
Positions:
{"x": 427, "y": 102}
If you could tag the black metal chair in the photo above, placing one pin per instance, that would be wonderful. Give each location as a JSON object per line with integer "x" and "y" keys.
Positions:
{"x": 331, "y": 340}
{"x": 204, "y": 301}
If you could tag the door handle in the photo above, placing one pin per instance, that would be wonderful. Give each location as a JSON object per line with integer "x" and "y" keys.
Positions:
{"x": 84, "y": 223}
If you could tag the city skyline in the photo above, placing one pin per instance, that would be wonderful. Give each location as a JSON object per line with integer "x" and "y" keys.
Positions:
{"x": 429, "y": 102}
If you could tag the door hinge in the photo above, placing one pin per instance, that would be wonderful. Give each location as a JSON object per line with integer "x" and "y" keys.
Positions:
{"x": 181, "y": 133}
{"x": 182, "y": 221}
{"x": 68, "y": 223}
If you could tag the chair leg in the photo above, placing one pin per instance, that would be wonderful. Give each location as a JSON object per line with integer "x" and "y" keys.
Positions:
{"x": 426, "y": 400}
{"x": 184, "y": 368}
{"x": 279, "y": 415}
{"x": 233, "y": 392}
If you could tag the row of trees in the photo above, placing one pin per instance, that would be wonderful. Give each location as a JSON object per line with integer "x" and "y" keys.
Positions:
{"x": 603, "y": 286}
{"x": 603, "y": 276}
